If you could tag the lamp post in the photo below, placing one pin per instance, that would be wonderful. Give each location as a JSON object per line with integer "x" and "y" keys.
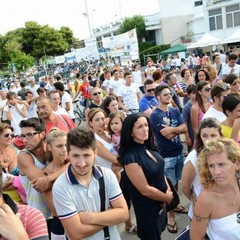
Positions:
{"x": 87, "y": 15}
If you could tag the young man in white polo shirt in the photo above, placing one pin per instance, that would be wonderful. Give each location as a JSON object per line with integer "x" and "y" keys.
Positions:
{"x": 76, "y": 192}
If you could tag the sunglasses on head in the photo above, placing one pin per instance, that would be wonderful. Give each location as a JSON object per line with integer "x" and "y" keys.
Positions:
{"x": 7, "y": 135}
{"x": 150, "y": 90}
{"x": 96, "y": 93}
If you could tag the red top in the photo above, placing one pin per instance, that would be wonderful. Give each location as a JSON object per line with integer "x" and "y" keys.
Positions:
{"x": 85, "y": 89}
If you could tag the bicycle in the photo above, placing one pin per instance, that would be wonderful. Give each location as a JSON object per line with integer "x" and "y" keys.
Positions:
{"x": 78, "y": 113}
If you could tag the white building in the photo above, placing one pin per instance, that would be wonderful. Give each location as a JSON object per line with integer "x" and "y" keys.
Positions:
{"x": 185, "y": 21}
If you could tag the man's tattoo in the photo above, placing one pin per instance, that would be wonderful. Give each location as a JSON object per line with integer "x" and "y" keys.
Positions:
{"x": 199, "y": 218}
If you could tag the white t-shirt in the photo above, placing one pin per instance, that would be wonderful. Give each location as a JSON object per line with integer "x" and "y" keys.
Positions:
{"x": 137, "y": 78}
{"x": 115, "y": 84}
{"x": 65, "y": 99}
{"x": 129, "y": 96}
{"x": 49, "y": 87}
{"x": 149, "y": 72}
{"x": 106, "y": 84}
{"x": 16, "y": 118}
{"x": 34, "y": 90}
{"x": 32, "y": 111}
{"x": 227, "y": 69}
{"x": 213, "y": 113}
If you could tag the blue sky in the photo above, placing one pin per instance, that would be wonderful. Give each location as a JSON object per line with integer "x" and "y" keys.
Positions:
{"x": 55, "y": 13}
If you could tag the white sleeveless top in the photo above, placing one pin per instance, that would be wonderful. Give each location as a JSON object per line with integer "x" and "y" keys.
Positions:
{"x": 110, "y": 147}
{"x": 224, "y": 228}
{"x": 196, "y": 185}
{"x": 34, "y": 198}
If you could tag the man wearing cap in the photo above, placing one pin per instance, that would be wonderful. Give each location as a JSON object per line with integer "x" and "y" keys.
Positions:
{"x": 218, "y": 92}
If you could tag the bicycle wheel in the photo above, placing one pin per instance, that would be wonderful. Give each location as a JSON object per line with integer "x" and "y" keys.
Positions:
{"x": 78, "y": 118}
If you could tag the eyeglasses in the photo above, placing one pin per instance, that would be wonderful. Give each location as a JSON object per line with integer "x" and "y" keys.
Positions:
{"x": 28, "y": 135}
{"x": 7, "y": 135}
{"x": 167, "y": 94}
{"x": 96, "y": 93}
{"x": 208, "y": 89}
{"x": 150, "y": 90}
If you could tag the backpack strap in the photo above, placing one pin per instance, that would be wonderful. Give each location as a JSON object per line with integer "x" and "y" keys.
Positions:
{"x": 103, "y": 199}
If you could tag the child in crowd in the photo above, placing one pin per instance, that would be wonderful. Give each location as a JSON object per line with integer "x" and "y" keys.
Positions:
{"x": 116, "y": 119}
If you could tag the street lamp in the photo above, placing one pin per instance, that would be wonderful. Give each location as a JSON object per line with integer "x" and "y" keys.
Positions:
{"x": 87, "y": 15}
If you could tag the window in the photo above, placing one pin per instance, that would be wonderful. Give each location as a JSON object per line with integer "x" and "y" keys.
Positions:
{"x": 215, "y": 19}
{"x": 233, "y": 16}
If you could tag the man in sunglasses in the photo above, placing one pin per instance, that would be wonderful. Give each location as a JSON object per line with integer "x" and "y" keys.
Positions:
{"x": 218, "y": 92}
{"x": 148, "y": 102}
{"x": 97, "y": 101}
{"x": 168, "y": 124}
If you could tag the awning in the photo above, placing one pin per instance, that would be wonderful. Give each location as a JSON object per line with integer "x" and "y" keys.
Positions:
{"x": 206, "y": 40}
{"x": 235, "y": 37}
{"x": 174, "y": 49}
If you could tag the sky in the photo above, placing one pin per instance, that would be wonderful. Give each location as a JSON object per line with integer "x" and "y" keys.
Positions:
{"x": 71, "y": 13}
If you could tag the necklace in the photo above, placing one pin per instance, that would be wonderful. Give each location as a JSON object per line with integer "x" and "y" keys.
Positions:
{"x": 233, "y": 202}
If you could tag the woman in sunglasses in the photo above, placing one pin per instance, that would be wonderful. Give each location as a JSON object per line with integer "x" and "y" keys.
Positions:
{"x": 8, "y": 154}
{"x": 203, "y": 94}
{"x": 8, "y": 161}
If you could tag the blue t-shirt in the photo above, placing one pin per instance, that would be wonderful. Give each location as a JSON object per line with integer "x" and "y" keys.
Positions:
{"x": 147, "y": 102}
{"x": 186, "y": 113}
{"x": 173, "y": 117}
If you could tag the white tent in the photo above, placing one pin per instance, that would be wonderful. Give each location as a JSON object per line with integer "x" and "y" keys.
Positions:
{"x": 235, "y": 37}
{"x": 206, "y": 40}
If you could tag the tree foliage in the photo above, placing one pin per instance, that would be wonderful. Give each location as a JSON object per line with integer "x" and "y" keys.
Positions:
{"x": 34, "y": 42}
{"x": 134, "y": 22}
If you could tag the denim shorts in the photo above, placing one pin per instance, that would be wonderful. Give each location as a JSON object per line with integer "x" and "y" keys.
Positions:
{"x": 173, "y": 167}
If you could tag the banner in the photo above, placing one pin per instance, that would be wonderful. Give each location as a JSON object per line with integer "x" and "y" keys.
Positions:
{"x": 123, "y": 44}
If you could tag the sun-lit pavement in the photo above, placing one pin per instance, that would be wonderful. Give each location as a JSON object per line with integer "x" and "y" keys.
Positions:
{"x": 182, "y": 222}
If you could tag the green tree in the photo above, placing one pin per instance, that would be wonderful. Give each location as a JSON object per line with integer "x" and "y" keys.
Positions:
{"x": 49, "y": 42}
{"x": 22, "y": 60}
{"x": 67, "y": 34}
{"x": 134, "y": 22}
{"x": 29, "y": 34}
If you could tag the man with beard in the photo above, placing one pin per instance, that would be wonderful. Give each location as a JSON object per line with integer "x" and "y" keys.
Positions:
{"x": 83, "y": 211}
{"x": 46, "y": 114}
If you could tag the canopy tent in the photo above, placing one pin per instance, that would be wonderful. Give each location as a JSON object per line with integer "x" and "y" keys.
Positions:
{"x": 174, "y": 49}
{"x": 235, "y": 37}
{"x": 206, "y": 40}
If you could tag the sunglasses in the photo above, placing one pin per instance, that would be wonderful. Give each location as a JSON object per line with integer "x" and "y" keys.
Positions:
{"x": 208, "y": 89}
{"x": 96, "y": 93}
{"x": 7, "y": 135}
{"x": 167, "y": 94}
{"x": 225, "y": 86}
{"x": 150, "y": 90}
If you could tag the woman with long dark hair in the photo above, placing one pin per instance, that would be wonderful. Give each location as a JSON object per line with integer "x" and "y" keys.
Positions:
{"x": 203, "y": 94}
{"x": 145, "y": 179}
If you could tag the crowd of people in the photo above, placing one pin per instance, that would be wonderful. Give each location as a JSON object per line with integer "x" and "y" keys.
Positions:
{"x": 175, "y": 120}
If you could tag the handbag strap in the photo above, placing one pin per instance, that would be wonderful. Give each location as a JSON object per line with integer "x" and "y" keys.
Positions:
{"x": 103, "y": 198}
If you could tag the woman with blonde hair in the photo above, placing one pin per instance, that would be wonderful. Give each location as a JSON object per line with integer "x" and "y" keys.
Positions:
{"x": 56, "y": 142}
{"x": 217, "y": 210}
